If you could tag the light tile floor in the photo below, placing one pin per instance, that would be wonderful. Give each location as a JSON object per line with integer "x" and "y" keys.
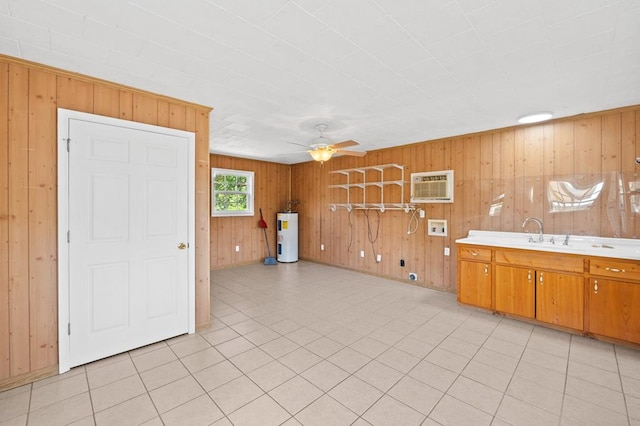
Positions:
{"x": 309, "y": 344}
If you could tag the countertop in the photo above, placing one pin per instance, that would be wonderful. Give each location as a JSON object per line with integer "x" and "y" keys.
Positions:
{"x": 620, "y": 248}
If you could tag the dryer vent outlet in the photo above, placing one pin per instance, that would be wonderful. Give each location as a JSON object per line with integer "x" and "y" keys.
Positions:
{"x": 413, "y": 276}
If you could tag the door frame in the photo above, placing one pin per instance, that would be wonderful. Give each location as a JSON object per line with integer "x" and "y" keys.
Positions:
{"x": 65, "y": 117}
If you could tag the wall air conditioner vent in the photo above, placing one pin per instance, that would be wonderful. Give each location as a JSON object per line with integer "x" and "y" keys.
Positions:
{"x": 432, "y": 187}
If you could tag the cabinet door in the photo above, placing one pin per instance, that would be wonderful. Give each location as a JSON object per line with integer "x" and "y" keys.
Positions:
{"x": 475, "y": 284}
{"x": 515, "y": 291}
{"x": 560, "y": 299}
{"x": 613, "y": 309}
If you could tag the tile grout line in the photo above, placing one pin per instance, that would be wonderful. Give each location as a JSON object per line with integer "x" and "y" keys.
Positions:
{"x": 624, "y": 394}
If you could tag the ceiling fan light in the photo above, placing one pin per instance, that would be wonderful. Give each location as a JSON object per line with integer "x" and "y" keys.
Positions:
{"x": 321, "y": 155}
{"x": 535, "y": 117}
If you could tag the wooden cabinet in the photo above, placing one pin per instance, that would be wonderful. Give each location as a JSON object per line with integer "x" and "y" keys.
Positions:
{"x": 515, "y": 291}
{"x": 560, "y": 299}
{"x": 526, "y": 287}
{"x": 475, "y": 284}
{"x": 594, "y": 295}
{"x": 474, "y": 277}
{"x": 551, "y": 297}
{"x": 613, "y": 298}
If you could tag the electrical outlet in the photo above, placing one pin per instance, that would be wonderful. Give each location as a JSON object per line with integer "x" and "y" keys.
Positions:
{"x": 321, "y": 247}
{"x": 447, "y": 251}
{"x": 361, "y": 253}
{"x": 378, "y": 258}
{"x": 402, "y": 262}
{"x": 422, "y": 214}
{"x": 237, "y": 249}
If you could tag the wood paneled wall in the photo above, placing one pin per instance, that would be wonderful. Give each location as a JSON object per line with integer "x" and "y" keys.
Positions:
{"x": 515, "y": 163}
{"x": 29, "y": 97}
{"x": 271, "y": 194}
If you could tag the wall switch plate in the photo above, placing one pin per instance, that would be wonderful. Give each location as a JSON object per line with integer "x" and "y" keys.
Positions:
{"x": 361, "y": 253}
{"x": 378, "y": 258}
{"x": 237, "y": 249}
{"x": 447, "y": 251}
{"x": 422, "y": 214}
{"x": 322, "y": 247}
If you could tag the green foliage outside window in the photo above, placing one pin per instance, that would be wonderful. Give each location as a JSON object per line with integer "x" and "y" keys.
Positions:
{"x": 232, "y": 192}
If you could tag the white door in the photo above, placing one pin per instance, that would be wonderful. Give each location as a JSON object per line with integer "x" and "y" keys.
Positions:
{"x": 128, "y": 238}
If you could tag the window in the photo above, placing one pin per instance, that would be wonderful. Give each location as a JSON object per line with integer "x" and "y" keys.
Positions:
{"x": 231, "y": 192}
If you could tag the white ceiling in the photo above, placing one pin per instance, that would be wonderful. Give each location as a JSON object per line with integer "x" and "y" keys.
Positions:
{"x": 382, "y": 72}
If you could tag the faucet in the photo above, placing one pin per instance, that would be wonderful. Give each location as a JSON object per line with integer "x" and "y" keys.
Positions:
{"x": 539, "y": 222}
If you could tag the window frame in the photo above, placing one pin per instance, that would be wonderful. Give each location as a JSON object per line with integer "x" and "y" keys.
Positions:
{"x": 250, "y": 192}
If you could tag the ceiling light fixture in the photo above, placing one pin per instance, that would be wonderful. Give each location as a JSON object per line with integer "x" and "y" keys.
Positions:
{"x": 322, "y": 154}
{"x": 535, "y": 117}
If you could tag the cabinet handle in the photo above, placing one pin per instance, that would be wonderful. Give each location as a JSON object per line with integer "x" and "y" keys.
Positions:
{"x": 486, "y": 269}
{"x": 541, "y": 278}
{"x": 473, "y": 253}
{"x": 614, "y": 270}
{"x": 528, "y": 275}
{"x": 595, "y": 286}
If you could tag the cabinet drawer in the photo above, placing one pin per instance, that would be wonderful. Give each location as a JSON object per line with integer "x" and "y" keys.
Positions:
{"x": 472, "y": 253}
{"x": 538, "y": 260}
{"x": 628, "y": 271}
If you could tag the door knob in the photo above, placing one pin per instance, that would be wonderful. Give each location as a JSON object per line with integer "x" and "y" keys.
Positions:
{"x": 182, "y": 246}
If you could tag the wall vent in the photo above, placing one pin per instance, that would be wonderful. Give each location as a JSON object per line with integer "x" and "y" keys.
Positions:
{"x": 432, "y": 187}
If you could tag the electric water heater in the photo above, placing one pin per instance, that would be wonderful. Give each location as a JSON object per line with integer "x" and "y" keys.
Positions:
{"x": 287, "y": 247}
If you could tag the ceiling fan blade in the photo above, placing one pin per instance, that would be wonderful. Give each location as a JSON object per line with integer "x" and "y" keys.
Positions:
{"x": 353, "y": 153}
{"x": 344, "y": 144}
{"x": 299, "y": 144}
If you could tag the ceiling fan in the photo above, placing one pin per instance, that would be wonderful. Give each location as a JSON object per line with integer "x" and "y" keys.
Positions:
{"x": 322, "y": 149}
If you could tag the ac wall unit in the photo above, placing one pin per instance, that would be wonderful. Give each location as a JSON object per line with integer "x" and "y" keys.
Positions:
{"x": 432, "y": 187}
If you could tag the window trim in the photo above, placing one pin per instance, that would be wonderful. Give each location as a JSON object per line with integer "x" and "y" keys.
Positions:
{"x": 250, "y": 175}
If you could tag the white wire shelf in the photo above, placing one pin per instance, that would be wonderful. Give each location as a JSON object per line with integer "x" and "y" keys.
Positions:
{"x": 360, "y": 176}
{"x": 373, "y": 206}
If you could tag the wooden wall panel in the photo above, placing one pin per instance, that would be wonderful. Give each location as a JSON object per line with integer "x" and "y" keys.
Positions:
{"x": 587, "y": 163}
{"x": 43, "y": 217}
{"x": 74, "y": 94}
{"x": 163, "y": 114}
{"x": 18, "y": 166}
{"x": 496, "y": 184}
{"x": 198, "y": 122}
{"x": 126, "y": 105}
{"x": 628, "y": 168}
{"x": 145, "y": 109}
{"x": 548, "y": 153}
{"x": 272, "y": 195}
{"x": 106, "y": 101}
{"x": 533, "y": 172}
{"x": 472, "y": 157}
{"x": 505, "y": 171}
{"x": 486, "y": 180}
{"x": 177, "y": 117}
{"x": 563, "y": 167}
{"x": 611, "y": 223}
{"x": 508, "y": 184}
{"x": 29, "y": 97}
{"x": 637, "y": 145}
{"x": 520, "y": 188}
{"x": 406, "y": 154}
{"x": 449, "y": 272}
{"x": 5, "y": 370}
